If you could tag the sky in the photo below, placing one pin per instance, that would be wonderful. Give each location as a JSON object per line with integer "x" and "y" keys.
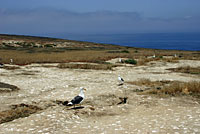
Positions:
{"x": 49, "y": 17}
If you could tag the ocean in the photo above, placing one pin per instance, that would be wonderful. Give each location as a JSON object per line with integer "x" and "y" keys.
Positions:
{"x": 170, "y": 41}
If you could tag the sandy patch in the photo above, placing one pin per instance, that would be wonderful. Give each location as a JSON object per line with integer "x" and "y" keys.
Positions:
{"x": 41, "y": 85}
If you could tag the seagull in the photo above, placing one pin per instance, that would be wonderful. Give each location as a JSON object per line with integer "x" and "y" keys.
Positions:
{"x": 11, "y": 61}
{"x": 120, "y": 60}
{"x": 78, "y": 99}
{"x": 121, "y": 80}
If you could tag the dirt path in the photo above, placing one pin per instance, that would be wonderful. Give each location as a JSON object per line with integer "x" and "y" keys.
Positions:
{"x": 101, "y": 114}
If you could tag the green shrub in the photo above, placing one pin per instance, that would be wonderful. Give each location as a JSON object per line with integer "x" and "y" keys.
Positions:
{"x": 131, "y": 61}
{"x": 124, "y": 51}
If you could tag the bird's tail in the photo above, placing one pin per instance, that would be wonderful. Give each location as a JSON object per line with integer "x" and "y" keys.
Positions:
{"x": 69, "y": 104}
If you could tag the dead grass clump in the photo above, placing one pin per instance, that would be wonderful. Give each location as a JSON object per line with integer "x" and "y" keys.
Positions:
{"x": 92, "y": 56}
{"x": 4, "y": 87}
{"x": 18, "y": 111}
{"x": 11, "y": 67}
{"x": 171, "y": 60}
{"x": 141, "y": 82}
{"x": 193, "y": 87}
{"x": 28, "y": 72}
{"x": 118, "y": 51}
{"x": 145, "y": 60}
{"x": 87, "y": 66}
{"x": 149, "y": 83}
{"x": 175, "y": 88}
{"x": 187, "y": 69}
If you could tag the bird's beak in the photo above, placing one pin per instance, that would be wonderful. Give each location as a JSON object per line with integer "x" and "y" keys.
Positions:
{"x": 85, "y": 89}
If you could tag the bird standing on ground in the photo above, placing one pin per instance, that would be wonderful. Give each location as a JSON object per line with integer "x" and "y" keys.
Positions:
{"x": 11, "y": 61}
{"x": 120, "y": 60}
{"x": 78, "y": 99}
{"x": 121, "y": 80}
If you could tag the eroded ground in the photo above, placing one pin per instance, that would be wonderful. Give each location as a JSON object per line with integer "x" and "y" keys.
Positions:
{"x": 100, "y": 113}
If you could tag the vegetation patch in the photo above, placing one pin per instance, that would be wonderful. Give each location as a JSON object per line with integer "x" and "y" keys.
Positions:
{"x": 149, "y": 83}
{"x": 171, "y": 88}
{"x": 11, "y": 67}
{"x": 145, "y": 60}
{"x": 187, "y": 69}
{"x": 87, "y": 66}
{"x": 118, "y": 51}
{"x": 18, "y": 111}
{"x": 4, "y": 87}
{"x": 130, "y": 61}
{"x": 26, "y": 50}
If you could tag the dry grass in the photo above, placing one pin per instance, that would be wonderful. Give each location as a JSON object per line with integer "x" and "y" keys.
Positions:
{"x": 169, "y": 87}
{"x": 26, "y": 56}
{"x": 172, "y": 60}
{"x": 11, "y": 67}
{"x": 18, "y": 111}
{"x": 187, "y": 69}
{"x": 87, "y": 66}
{"x": 4, "y": 87}
{"x": 145, "y": 60}
{"x": 149, "y": 83}
{"x": 192, "y": 88}
{"x": 23, "y": 58}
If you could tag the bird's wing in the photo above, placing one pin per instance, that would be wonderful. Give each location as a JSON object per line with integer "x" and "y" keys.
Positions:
{"x": 122, "y": 79}
{"x": 77, "y": 100}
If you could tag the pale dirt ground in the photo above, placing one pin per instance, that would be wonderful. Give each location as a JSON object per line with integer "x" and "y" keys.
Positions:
{"x": 143, "y": 114}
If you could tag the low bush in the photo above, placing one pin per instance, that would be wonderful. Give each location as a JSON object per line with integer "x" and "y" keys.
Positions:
{"x": 87, "y": 66}
{"x": 124, "y": 51}
{"x": 130, "y": 61}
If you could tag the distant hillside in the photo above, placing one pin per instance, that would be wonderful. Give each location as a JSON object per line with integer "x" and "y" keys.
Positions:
{"x": 20, "y": 41}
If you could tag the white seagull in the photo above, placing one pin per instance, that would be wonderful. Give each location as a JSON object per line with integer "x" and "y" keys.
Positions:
{"x": 11, "y": 61}
{"x": 121, "y": 80}
{"x": 120, "y": 60}
{"x": 78, "y": 99}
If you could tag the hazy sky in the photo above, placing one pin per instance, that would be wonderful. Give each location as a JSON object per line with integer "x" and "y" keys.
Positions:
{"x": 98, "y": 16}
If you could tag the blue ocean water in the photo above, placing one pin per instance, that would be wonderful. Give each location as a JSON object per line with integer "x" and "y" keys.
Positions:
{"x": 173, "y": 41}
